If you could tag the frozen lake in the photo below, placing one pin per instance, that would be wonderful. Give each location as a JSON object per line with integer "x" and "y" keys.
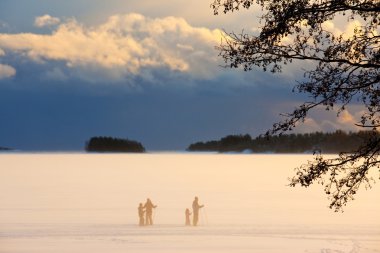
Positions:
{"x": 88, "y": 203}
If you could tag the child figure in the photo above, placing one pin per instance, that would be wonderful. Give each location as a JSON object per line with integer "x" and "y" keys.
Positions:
{"x": 187, "y": 215}
{"x": 141, "y": 214}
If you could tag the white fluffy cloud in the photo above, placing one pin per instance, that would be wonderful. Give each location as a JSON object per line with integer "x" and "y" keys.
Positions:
{"x": 6, "y": 71}
{"x": 126, "y": 45}
{"x": 46, "y": 20}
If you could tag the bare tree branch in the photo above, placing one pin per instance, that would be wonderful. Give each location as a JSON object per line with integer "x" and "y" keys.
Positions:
{"x": 347, "y": 67}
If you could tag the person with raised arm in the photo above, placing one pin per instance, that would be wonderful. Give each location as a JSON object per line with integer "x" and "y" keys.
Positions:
{"x": 149, "y": 212}
{"x": 196, "y": 207}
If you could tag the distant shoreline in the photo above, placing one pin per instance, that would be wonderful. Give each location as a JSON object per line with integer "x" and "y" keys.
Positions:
{"x": 166, "y": 152}
{"x": 5, "y": 149}
{"x": 309, "y": 143}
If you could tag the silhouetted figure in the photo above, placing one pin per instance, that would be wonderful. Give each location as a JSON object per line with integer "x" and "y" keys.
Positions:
{"x": 196, "y": 208}
{"x": 141, "y": 214}
{"x": 187, "y": 215}
{"x": 148, "y": 212}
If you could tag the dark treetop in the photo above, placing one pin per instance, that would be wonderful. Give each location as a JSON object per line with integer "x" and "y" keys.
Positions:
{"x": 334, "y": 143}
{"x": 110, "y": 144}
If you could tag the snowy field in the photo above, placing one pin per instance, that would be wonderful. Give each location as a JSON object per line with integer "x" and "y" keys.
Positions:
{"x": 87, "y": 203}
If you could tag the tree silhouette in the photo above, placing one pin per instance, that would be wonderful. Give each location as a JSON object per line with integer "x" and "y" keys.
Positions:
{"x": 110, "y": 144}
{"x": 331, "y": 143}
{"x": 346, "y": 70}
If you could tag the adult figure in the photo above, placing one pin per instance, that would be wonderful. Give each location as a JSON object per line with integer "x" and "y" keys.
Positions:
{"x": 196, "y": 208}
{"x": 141, "y": 212}
{"x": 149, "y": 212}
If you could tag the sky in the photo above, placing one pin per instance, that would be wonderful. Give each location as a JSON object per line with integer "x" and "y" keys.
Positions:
{"x": 142, "y": 70}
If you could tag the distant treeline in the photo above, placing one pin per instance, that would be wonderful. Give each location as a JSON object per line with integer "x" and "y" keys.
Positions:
{"x": 335, "y": 142}
{"x": 5, "y": 149}
{"x": 110, "y": 144}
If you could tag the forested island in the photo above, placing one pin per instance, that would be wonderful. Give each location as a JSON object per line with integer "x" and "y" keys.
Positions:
{"x": 335, "y": 142}
{"x": 110, "y": 144}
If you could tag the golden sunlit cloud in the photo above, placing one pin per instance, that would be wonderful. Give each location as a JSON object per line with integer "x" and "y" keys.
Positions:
{"x": 347, "y": 32}
{"x": 6, "y": 71}
{"x": 326, "y": 121}
{"x": 123, "y": 46}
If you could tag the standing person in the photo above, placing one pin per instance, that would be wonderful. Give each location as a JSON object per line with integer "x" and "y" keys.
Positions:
{"x": 187, "y": 215}
{"x": 141, "y": 214}
{"x": 196, "y": 208}
{"x": 149, "y": 211}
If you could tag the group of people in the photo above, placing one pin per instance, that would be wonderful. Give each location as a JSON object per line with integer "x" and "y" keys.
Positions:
{"x": 145, "y": 212}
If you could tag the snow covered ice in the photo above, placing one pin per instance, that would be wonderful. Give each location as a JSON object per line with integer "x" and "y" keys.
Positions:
{"x": 88, "y": 203}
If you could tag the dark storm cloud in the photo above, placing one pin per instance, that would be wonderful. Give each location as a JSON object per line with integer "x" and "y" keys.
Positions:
{"x": 62, "y": 115}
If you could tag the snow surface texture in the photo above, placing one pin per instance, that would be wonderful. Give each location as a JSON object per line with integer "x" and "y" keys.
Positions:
{"x": 88, "y": 203}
